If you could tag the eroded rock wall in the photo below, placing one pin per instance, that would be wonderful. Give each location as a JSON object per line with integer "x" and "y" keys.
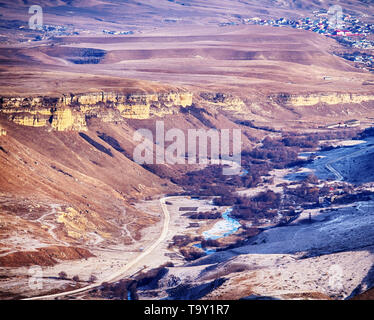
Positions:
{"x": 70, "y": 112}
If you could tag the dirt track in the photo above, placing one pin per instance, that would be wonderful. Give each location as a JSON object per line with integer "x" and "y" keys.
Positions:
{"x": 124, "y": 271}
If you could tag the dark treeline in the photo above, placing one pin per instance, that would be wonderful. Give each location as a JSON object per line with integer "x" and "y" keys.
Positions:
{"x": 258, "y": 162}
{"x": 369, "y": 132}
{"x": 206, "y": 182}
{"x": 126, "y": 289}
{"x": 263, "y": 206}
{"x": 183, "y": 243}
{"x": 192, "y": 253}
{"x": 150, "y": 278}
{"x": 180, "y": 241}
{"x": 209, "y": 215}
{"x": 305, "y": 195}
{"x": 328, "y": 135}
{"x": 274, "y": 153}
{"x": 268, "y": 205}
{"x": 121, "y": 290}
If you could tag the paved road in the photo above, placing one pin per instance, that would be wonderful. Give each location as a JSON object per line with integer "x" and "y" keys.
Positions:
{"x": 124, "y": 271}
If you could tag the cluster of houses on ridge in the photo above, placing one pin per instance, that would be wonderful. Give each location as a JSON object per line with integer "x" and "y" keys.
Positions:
{"x": 353, "y": 33}
{"x": 320, "y": 23}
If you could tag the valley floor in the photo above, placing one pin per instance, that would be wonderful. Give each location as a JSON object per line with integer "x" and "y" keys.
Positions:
{"x": 330, "y": 255}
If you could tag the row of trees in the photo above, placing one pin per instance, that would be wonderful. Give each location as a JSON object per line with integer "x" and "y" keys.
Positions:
{"x": 209, "y": 215}
{"x": 327, "y": 135}
{"x": 63, "y": 276}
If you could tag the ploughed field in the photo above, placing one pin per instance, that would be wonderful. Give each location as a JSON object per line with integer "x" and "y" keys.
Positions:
{"x": 243, "y": 59}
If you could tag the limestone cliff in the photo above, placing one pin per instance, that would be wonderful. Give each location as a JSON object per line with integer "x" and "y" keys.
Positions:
{"x": 70, "y": 112}
{"x": 321, "y": 98}
{"x": 225, "y": 102}
{"x": 64, "y": 119}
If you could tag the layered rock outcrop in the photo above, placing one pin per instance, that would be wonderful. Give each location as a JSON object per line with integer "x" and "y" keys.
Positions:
{"x": 322, "y": 98}
{"x": 46, "y": 256}
{"x": 70, "y": 112}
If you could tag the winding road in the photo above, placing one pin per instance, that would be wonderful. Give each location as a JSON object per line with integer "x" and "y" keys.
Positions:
{"x": 122, "y": 272}
{"x": 336, "y": 173}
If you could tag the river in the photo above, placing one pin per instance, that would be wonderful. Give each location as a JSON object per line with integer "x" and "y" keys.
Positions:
{"x": 221, "y": 229}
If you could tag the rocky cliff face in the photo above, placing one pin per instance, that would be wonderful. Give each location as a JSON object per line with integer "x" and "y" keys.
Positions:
{"x": 2, "y": 132}
{"x": 225, "y": 101}
{"x": 70, "y": 112}
{"x": 47, "y": 256}
{"x": 321, "y": 98}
